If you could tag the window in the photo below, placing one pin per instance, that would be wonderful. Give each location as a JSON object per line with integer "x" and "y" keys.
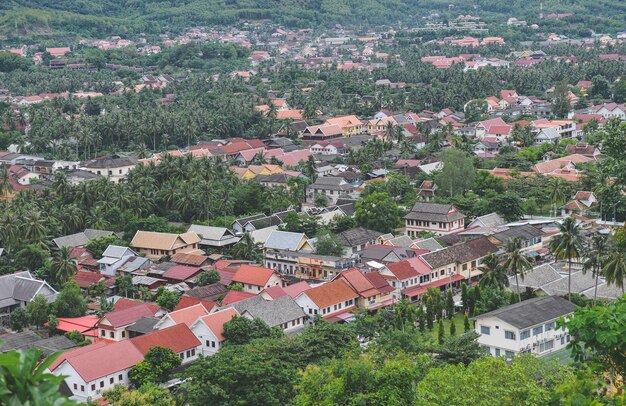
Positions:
{"x": 212, "y": 344}
{"x": 75, "y": 387}
{"x": 102, "y": 384}
{"x": 524, "y": 334}
{"x": 537, "y": 330}
{"x": 208, "y": 343}
{"x": 509, "y": 354}
{"x": 497, "y": 352}
{"x": 509, "y": 335}
{"x": 485, "y": 330}
{"x": 123, "y": 334}
{"x": 111, "y": 380}
{"x": 102, "y": 333}
{"x": 112, "y": 334}
{"x": 548, "y": 345}
{"x": 119, "y": 377}
{"x": 82, "y": 388}
{"x": 93, "y": 386}
{"x": 549, "y": 326}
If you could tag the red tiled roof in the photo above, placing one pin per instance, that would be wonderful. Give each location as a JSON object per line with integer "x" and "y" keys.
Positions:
{"x": 188, "y": 301}
{"x": 297, "y": 288}
{"x": 409, "y": 268}
{"x": 83, "y": 325}
{"x": 181, "y": 272}
{"x": 275, "y": 292}
{"x": 129, "y": 315}
{"x": 379, "y": 282}
{"x": 85, "y": 279}
{"x": 177, "y": 338}
{"x": 215, "y": 322}
{"x": 253, "y": 275}
{"x": 188, "y": 315}
{"x": 359, "y": 282}
{"x": 331, "y": 293}
{"x": 234, "y": 296}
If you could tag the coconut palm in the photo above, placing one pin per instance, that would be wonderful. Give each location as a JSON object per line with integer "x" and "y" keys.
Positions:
{"x": 247, "y": 249}
{"x": 6, "y": 187}
{"x": 517, "y": 262}
{"x": 567, "y": 245}
{"x": 34, "y": 227}
{"x": 556, "y": 192}
{"x": 493, "y": 274}
{"x": 615, "y": 267}
{"x": 595, "y": 259}
{"x": 63, "y": 265}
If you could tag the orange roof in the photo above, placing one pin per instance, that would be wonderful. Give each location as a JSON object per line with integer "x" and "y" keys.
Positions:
{"x": 188, "y": 315}
{"x": 177, "y": 338}
{"x": 215, "y": 322}
{"x": 253, "y": 275}
{"x": 331, "y": 293}
{"x": 289, "y": 114}
{"x": 234, "y": 296}
{"x": 344, "y": 121}
{"x": 358, "y": 282}
{"x": 84, "y": 325}
{"x": 188, "y": 301}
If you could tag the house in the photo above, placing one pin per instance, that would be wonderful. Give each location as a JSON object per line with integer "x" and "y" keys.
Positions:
{"x": 191, "y": 259}
{"x": 333, "y": 301}
{"x": 20, "y": 288}
{"x": 209, "y": 330}
{"x": 256, "y": 278}
{"x": 386, "y": 253}
{"x": 590, "y": 151}
{"x": 274, "y": 292}
{"x": 525, "y": 327}
{"x": 97, "y": 367}
{"x": 527, "y": 234}
{"x": 426, "y": 190}
{"x": 155, "y": 245}
{"x": 113, "y": 258}
{"x": 214, "y": 237}
{"x": 209, "y": 292}
{"x": 112, "y": 326}
{"x": 440, "y": 219}
{"x": 350, "y": 125}
{"x": 321, "y": 132}
{"x": 492, "y": 221}
{"x": 580, "y": 204}
{"x": 370, "y": 297}
{"x": 115, "y": 167}
{"x": 357, "y": 239}
{"x": 259, "y": 222}
{"x": 404, "y": 275}
{"x": 286, "y": 241}
{"x": 328, "y": 186}
{"x": 80, "y": 239}
{"x": 181, "y": 273}
{"x": 187, "y": 315}
{"x": 29, "y": 339}
{"x": 86, "y": 325}
{"x": 306, "y": 265}
{"x": 282, "y": 312}
{"x": 458, "y": 262}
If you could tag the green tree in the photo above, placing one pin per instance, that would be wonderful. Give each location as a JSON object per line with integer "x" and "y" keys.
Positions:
{"x": 100, "y": 244}
{"x": 600, "y": 87}
{"x": 38, "y": 310}
{"x": 247, "y": 249}
{"x": 208, "y": 278}
{"x": 147, "y": 394}
{"x": 157, "y": 366}
{"x": 377, "y": 212}
{"x": 241, "y": 330}
{"x": 460, "y": 349}
{"x": 466, "y": 323}
{"x": 63, "y": 266}
{"x": 561, "y": 104}
{"x": 595, "y": 259}
{"x": 517, "y": 262}
{"x": 321, "y": 200}
{"x": 619, "y": 91}
{"x": 440, "y": 332}
{"x": 475, "y": 110}
{"x": 24, "y": 380}
{"x": 343, "y": 223}
{"x": 567, "y": 245}
{"x": 32, "y": 257}
{"x": 167, "y": 299}
{"x": 124, "y": 286}
{"x": 329, "y": 244}
{"x": 598, "y": 331}
{"x": 457, "y": 175}
{"x": 70, "y": 301}
{"x": 492, "y": 273}
{"x": 19, "y": 319}
{"x": 452, "y": 328}
{"x": 508, "y": 205}
{"x": 449, "y": 304}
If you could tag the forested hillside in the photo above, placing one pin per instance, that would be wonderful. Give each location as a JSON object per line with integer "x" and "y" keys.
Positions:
{"x": 91, "y": 17}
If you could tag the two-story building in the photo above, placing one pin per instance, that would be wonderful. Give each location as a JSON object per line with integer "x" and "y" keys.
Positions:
{"x": 282, "y": 312}
{"x": 438, "y": 218}
{"x": 306, "y": 265}
{"x": 370, "y": 297}
{"x": 329, "y": 186}
{"x": 209, "y": 330}
{"x": 525, "y": 327}
{"x": 115, "y": 167}
{"x": 256, "y": 278}
{"x": 333, "y": 300}
{"x": 155, "y": 245}
{"x": 112, "y": 326}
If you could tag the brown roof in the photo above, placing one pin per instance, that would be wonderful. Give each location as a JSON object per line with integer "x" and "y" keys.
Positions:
{"x": 189, "y": 259}
{"x": 358, "y": 282}
{"x": 163, "y": 241}
{"x": 379, "y": 282}
{"x": 177, "y": 338}
{"x": 331, "y": 293}
{"x": 460, "y": 253}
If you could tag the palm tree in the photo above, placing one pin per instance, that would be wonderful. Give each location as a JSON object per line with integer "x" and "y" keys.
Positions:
{"x": 595, "y": 259}
{"x": 517, "y": 262}
{"x": 493, "y": 274}
{"x": 6, "y": 187}
{"x": 567, "y": 245}
{"x": 34, "y": 227}
{"x": 615, "y": 267}
{"x": 63, "y": 266}
{"x": 247, "y": 249}
{"x": 556, "y": 192}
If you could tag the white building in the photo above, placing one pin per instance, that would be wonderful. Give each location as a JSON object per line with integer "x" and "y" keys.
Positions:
{"x": 209, "y": 330}
{"x": 525, "y": 327}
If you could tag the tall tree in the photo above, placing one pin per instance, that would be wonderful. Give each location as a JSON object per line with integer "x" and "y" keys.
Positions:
{"x": 457, "y": 174}
{"x": 595, "y": 259}
{"x": 493, "y": 274}
{"x": 567, "y": 245}
{"x": 63, "y": 266}
{"x": 561, "y": 104}
{"x": 517, "y": 262}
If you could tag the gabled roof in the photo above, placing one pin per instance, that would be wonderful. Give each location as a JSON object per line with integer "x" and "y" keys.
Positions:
{"x": 214, "y": 236}
{"x": 181, "y": 272}
{"x": 22, "y": 287}
{"x": 188, "y": 259}
{"x": 379, "y": 282}
{"x": 253, "y": 275}
{"x": 208, "y": 291}
{"x": 330, "y": 293}
{"x": 80, "y": 239}
{"x": 285, "y": 240}
{"x": 272, "y": 312}
{"x": 434, "y": 212}
{"x": 460, "y": 253}
{"x": 361, "y": 285}
{"x": 162, "y": 241}
{"x": 188, "y": 301}
{"x": 531, "y": 312}
{"x": 357, "y": 236}
{"x": 409, "y": 268}
{"x": 234, "y": 296}
{"x": 177, "y": 338}
{"x": 120, "y": 318}
{"x": 215, "y": 321}
{"x": 429, "y": 244}
{"x": 187, "y": 315}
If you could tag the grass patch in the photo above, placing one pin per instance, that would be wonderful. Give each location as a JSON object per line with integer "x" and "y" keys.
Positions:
{"x": 457, "y": 319}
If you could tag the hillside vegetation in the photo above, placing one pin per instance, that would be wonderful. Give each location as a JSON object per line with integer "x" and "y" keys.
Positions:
{"x": 102, "y": 17}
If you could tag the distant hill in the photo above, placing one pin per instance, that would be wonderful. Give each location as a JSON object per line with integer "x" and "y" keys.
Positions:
{"x": 102, "y": 17}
